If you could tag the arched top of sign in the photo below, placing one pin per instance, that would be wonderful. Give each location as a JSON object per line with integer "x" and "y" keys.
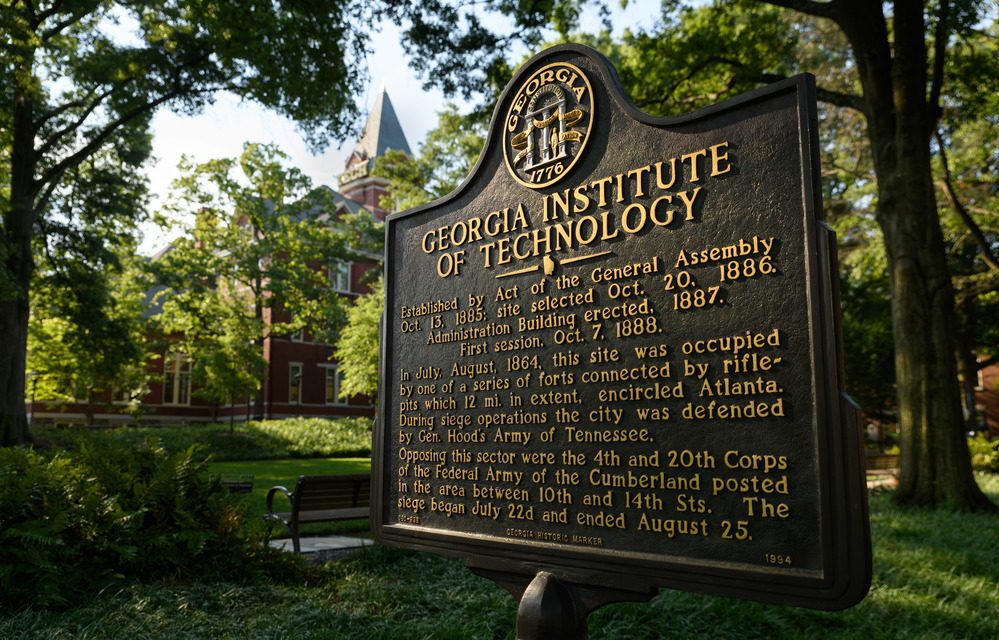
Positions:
{"x": 548, "y": 125}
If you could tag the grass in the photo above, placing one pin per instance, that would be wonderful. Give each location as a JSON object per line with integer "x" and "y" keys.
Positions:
{"x": 936, "y": 575}
{"x": 382, "y": 594}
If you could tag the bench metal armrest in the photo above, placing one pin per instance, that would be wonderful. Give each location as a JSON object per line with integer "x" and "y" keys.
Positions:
{"x": 270, "y": 498}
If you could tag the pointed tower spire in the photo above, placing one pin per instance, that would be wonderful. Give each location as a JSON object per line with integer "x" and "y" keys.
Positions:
{"x": 382, "y": 130}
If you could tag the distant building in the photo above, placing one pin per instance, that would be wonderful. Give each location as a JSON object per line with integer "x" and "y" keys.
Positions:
{"x": 987, "y": 399}
{"x": 301, "y": 377}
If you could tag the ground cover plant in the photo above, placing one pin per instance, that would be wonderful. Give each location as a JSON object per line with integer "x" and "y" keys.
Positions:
{"x": 936, "y": 575}
{"x": 267, "y": 439}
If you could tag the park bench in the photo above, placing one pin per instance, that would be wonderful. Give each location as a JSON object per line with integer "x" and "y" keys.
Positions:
{"x": 235, "y": 483}
{"x": 322, "y": 499}
{"x": 882, "y": 464}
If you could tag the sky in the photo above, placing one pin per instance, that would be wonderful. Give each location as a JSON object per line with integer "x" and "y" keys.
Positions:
{"x": 221, "y": 130}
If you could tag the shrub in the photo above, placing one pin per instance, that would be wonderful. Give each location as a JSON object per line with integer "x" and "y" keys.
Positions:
{"x": 83, "y": 520}
{"x": 984, "y": 454}
{"x": 315, "y": 437}
{"x": 267, "y": 439}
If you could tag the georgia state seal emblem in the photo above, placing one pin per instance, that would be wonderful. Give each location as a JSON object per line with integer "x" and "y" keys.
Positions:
{"x": 548, "y": 125}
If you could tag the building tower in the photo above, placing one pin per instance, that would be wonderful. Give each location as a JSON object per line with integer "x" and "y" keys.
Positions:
{"x": 381, "y": 132}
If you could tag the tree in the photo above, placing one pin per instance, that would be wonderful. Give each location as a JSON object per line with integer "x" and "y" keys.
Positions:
{"x": 451, "y": 45}
{"x": 257, "y": 262}
{"x": 84, "y": 77}
{"x": 357, "y": 348}
{"x": 967, "y": 157}
{"x": 87, "y": 345}
{"x": 85, "y": 335}
{"x": 220, "y": 341}
{"x": 896, "y": 79}
{"x": 849, "y": 195}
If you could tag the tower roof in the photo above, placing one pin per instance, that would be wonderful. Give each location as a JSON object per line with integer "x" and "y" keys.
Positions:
{"x": 382, "y": 131}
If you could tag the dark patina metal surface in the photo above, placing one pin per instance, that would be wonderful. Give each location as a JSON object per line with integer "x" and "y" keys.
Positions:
{"x": 612, "y": 354}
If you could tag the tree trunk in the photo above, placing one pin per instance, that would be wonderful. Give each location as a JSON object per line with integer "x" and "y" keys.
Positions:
{"x": 19, "y": 265}
{"x": 265, "y": 345}
{"x": 14, "y": 329}
{"x": 935, "y": 465}
{"x": 967, "y": 367}
{"x": 90, "y": 409}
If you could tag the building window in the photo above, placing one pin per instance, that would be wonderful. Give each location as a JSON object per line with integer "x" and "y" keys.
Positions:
{"x": 340, "y": 276}
{"x": 295, "y": 335}
{"x": 333, "y": 379}
{"x": 177, "y": 379}
{"x": 295, "y": 384}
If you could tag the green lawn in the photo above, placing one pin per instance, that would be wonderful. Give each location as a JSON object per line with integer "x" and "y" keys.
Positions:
{"x": 284, "y": 473}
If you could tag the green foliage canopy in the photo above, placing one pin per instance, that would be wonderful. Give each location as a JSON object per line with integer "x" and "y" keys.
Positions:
{"x": 357, "y": 348}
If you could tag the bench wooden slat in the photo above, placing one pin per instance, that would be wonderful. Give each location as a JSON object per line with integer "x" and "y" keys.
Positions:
{"x": 327, "y": 516}
{"x": 332, "y": 515}
{"x": 882, "y": 463}
{"x": 314, "y": 503}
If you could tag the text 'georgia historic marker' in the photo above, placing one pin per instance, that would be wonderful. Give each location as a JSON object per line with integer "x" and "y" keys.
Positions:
{"x": 613, "y": 352}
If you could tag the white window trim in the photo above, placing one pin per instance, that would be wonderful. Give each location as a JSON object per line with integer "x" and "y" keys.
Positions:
{"x": 338, "y": 399}
{"x": 344, "y": 270}
{"x": 173, "y": 377}
{"x": 297, "y": 386}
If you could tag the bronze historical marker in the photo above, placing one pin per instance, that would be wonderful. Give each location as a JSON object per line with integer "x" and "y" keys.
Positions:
{"x": 611, "y": 358}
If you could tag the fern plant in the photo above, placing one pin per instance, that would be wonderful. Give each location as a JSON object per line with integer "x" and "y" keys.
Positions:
{"x": 78, "y": 521}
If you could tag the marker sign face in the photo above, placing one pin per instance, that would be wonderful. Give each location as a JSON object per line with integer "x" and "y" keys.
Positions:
{"x": 613, "y": 351}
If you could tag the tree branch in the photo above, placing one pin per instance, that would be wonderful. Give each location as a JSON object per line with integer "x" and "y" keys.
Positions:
{"x": 43, "y": 199}
{"x": 112, "y": 127}
{"x": 819, "y": 9}
{"x": 838, "y": 98}
{"x": 51, "y": 176}
{"x": 976, "y": 232}
{"x": 59, "y": 27}
{"x": 848, "y": 100}
{"x": 55, "y": 113}
{"x": 58, "y": 135}
{"x": 939, "y": 53}
{"x": 38, "y": 18}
